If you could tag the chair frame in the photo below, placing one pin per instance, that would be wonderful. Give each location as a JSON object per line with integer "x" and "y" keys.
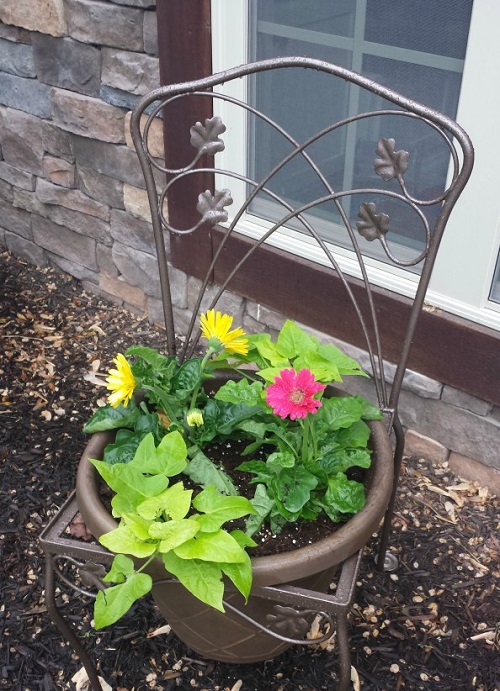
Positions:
{"x": 390, "y": 164}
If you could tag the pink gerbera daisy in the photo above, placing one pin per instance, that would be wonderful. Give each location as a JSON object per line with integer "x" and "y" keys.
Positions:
{"x": 292, "y": 394}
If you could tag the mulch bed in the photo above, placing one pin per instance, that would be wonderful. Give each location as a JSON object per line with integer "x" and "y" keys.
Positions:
{"x": 433, "y": 624}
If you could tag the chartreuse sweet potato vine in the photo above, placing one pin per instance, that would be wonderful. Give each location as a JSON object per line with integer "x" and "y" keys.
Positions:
{"x": 277, "y": 403}
{"x": 159, "y": 519}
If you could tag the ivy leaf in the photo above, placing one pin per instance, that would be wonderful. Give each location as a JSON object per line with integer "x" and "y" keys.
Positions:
{"x": 169, "y": 458}
{"x": 293, "y": 341}
{"x": 174, "y": 501}
{"x": 130, "y": 482}
{"x": 372, "y": 225}
{"x": 172, "y": 534}
{"x": 218, "y": 546}
{"x": 123, "y": 540}
{"x": 121, "y": 568}
{"x": 211, "y": 206}
{"x": 219, "y": 509}
{"x": 205, "y": 138}
{"x": 241, "y": 574}
{"x": 202, "y": 579}
{"x": 112, "y": 603}
{"x": 390, "y": 163}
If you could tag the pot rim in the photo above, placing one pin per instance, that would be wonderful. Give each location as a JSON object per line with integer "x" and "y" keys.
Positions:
{"x": 278, "y": 568}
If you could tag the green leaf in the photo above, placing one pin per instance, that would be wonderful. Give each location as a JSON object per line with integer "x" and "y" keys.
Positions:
{"x": 175, "y": 501}
{"x": 203, "y": 472}
{"x": 268, "y": 351}
{"x": 262, "y": 504}
{"x": 169, "y": 458}
{"x": 159, "y": 363}
{"x": 340, "y": 412}
{"x": 218, "y": 546}
{"x": 112, "y": 603}
{"x": 293, "y": 487}
{"x": 107, "y": 418}
{"x": 340, "y": 460}
{"x": 293, "y": 341}
{"x": 241, "y": 392}
{"x": 201, "y": 578}
{"x": 123, "y": 479}
{"x": 269, "y": 374}
{"x": 123, "y": 540}
{"x": 345, "y": 364}
{"x": 173, "y": 533}
{"x": 279, "y": 460}
{"x": 370, "y": 411}
{"x": 219, "y": 509}
{"x": 355, "y": 436}
{"x": 121, "y": 568}
{"x": 188, "y": 375}
{"x": 322, "y": 370}
{"x": 343, "y": 495}
{"x": 240, "y": 575}
{"x": 258, "y": 468}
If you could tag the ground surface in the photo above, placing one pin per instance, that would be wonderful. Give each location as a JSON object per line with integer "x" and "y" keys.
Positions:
{"x": 434, "y": 624}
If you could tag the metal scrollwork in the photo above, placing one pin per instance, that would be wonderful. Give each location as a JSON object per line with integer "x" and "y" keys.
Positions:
{"x": 206, "y": 138}
{"x": 89, "y": 573}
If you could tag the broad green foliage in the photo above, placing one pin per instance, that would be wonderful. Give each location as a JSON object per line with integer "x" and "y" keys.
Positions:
{"x": 158, "y": 519}
{"x": 301, "y": 443}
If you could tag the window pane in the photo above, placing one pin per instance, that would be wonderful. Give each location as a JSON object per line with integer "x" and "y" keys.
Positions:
{"x": 495, "y": 288}
{"x": 415, "y": 48}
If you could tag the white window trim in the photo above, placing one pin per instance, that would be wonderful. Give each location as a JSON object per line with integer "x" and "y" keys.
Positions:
{"x": 459, "y": 285}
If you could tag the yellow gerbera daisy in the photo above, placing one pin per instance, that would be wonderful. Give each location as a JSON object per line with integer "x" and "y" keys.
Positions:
{"x": 121, "y": 382}
{"x": 216, "y": 328}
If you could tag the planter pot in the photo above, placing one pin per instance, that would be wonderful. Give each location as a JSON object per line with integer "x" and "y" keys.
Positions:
{"x": 229, "y": 637}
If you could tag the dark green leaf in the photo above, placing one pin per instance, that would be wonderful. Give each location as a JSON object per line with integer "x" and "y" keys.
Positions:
{"x": 107, "y": 418}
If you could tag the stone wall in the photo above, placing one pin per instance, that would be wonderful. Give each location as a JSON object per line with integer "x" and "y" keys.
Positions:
{"x": 72, "y": 195}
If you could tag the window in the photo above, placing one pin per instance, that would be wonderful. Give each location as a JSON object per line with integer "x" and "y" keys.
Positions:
{"x": 431, "y": 51}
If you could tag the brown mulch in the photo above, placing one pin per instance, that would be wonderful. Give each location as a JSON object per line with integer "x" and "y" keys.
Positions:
{"x": 433, "y": 624}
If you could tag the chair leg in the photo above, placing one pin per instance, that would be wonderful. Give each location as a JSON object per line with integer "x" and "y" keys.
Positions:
{"x": 387, "y": 525}
{"x": 344, "y": 652}
{"x": 64, "y": 628}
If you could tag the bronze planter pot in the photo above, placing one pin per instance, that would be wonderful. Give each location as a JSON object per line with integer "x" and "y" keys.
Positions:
{"x": 228, "y": 637}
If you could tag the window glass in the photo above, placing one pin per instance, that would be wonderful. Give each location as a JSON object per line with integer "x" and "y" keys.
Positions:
{"x": 400, "y": 44}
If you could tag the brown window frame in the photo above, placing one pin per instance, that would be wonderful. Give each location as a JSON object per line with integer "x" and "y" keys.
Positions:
{"x": 452, "y": 350}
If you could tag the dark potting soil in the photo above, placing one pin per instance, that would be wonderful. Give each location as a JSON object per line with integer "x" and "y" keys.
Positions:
{"x": 432, "y": 625}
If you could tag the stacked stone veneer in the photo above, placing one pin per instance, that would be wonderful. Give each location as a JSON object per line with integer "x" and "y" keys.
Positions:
{"x": 72, "y": 194}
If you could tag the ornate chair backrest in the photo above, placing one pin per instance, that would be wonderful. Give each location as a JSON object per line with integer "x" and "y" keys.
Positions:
{"x": 379, "y": 203}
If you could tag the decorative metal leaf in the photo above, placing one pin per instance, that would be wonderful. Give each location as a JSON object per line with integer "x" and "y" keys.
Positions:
{"x": 211, "y": 207}
{"x": 390, "y": 164}
{"x": 92, "y": 574}
{"x": 372, "y": 225}
{"x": 288, "y": 621}
{"x": 205, "y": 137}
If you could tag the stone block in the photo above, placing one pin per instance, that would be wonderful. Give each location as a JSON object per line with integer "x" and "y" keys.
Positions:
{"x": 135, "y": 73}
{"x": 45, "y": 16}
{"x": 132, "y": 231}
{"x": 6, "y": 191}
{"x": 87, "y": 117}
{"x": 80, "y": 223}
{"x": 459, "y": 430}
{"x": 48, "y": 193}
{"x": 102, "y": 188}
{"x": 57, "y": 142}
{"x": 265, "y": 316}
{"x": 67, "y": 63}
{"x": 155, "y": 135}
{"x": 105, "y": 260}
{"x": 59, "y": 171}
{"x": 16, "y": 177}
{"x": 16, "y": 220}
{"x": 117, "y": 97}
{"x": 24, "y": 199}
{"x": 228, "y": 303}
{"x": 26, "y": 95}
{"x": 150, "y": 33}
{"x": 129, "y": 294}
{"x": 102, "y": 23}
{"x": 424, "y": 447}
{"x": 21, "y": 135}
{"x": 473, "y": 471}
{"x": 17, "y": 58}
{"x": 109, "y": 159}
{"x": 145, "y": 4}
{"x": 137, "y": 268}
{"x": 73, "y": 268}
{"x": 136, "y": 202}
{"x": 466, "y": 401}
{"x": 15, "y": 34}
{"x": 59, "y": 240}
{"x": 24, "y": 248}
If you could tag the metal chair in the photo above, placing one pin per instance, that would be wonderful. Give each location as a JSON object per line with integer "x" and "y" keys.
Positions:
{"x": 365, "y": 215}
